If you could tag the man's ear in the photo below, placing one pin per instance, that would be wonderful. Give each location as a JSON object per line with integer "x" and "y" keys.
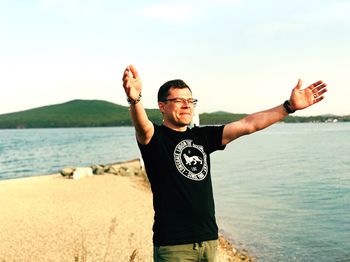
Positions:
{"x": 161, "y": 106}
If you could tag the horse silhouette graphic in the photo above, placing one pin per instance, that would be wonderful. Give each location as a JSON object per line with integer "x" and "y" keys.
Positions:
{"x": 192, "y": 160}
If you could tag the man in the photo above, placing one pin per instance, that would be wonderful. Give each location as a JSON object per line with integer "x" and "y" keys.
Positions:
{"x": 178, "y": 164}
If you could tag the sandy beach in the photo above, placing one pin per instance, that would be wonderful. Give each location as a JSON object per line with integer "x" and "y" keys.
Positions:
{"x": 98, "y": 218}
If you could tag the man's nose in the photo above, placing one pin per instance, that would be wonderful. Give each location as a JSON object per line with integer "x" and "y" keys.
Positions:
{"x": 185, "y": 104}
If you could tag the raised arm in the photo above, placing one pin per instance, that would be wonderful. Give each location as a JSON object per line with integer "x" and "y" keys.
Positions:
{"x": 133, "y": 86}
{"x": 299, "y": 99}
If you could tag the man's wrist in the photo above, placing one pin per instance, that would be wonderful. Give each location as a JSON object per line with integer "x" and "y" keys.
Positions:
{"x": 134, "y": 101}
{"x": 288, "y": 107}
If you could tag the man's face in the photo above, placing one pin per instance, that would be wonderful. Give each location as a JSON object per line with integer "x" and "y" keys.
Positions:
{"x": 178, "y": 112}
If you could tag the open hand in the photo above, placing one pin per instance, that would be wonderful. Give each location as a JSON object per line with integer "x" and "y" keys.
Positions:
{"x": 303, "y": 98}
{"x": 132, "y": 83}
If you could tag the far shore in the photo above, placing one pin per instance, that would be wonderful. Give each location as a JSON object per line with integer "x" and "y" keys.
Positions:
{"x": 98, "y": 218}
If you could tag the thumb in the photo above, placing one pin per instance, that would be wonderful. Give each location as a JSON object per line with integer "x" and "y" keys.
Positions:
{"x": 299, "y": 84}
{"x": 134, "y": 72}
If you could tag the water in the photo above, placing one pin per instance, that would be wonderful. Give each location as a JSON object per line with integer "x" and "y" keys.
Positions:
{"x": 33, "y": 152}
{"x": 283, "y": 193}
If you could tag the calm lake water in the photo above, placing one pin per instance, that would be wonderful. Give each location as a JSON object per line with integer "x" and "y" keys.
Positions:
{"x": 283, "y": 193}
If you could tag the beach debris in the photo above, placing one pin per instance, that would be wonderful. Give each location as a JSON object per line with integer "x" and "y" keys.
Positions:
{"x": 133, "y": 255}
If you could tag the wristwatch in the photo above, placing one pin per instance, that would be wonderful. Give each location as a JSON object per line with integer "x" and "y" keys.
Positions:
{"x": 288, "y": 107}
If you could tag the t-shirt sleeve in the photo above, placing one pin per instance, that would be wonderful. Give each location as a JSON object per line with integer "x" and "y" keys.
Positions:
{"x": 152, "y": 141}
{"x": 213, "y": 135}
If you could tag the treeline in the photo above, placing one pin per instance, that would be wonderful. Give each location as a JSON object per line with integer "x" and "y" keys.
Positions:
{"x": 224, "y": 118}
{"x": 76, "y": 113}
{"x": 96, "y": 113}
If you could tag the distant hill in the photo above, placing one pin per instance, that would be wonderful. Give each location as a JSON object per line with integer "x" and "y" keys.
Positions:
{"x": 76, "y": 113}
{"x": 221, "y": 117}
{"x": 93, "y": 113}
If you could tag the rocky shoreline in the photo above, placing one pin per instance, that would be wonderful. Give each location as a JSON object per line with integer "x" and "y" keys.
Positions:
{"x": 134, "y": 168}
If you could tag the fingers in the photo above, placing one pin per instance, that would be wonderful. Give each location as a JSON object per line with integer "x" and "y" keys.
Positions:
{"x": 318, "y": 99}
{"x": 317, "y": 83}
{"x": 318, "y": 89}
{"x": 126, "y": 76}
{"x": 126, "y": 83}
{"x": 317, "y": 86}
{"x": 134, "y": 72}
{"x": 299, "y": 84}
{"x": 126, "y": 80}
{"x": 131, "y": 81}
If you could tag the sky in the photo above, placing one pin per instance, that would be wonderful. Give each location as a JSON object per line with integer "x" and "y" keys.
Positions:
{"x": 239, "y": 56}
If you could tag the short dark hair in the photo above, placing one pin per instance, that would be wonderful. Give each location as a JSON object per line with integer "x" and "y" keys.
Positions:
{"x": 163, "y": 91}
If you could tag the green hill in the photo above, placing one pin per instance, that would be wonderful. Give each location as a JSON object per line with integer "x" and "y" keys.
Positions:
{"x": 221, "y": 117}
{"x": 76, "y": 113}
{"x": 93, "y": 113}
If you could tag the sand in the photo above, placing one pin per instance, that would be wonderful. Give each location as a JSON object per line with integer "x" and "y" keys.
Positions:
{"x": 98, "y": 218}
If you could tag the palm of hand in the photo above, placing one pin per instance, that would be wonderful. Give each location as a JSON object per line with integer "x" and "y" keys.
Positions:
{"x": 303, "y": 98}
{"x": 134, "y": 88}
{"x": 132, "y": 83}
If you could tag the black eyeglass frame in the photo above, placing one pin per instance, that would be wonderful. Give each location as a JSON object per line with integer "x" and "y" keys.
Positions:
{"x": 191, "y": 101}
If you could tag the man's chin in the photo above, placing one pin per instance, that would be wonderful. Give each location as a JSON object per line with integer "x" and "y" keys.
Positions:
{"x": 185, "y": 122}
{"x": 182, "y": 124}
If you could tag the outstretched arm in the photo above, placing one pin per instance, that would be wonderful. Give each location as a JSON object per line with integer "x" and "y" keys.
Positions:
{"x": 132, "y": 86}
{"x": 299, "y": 99}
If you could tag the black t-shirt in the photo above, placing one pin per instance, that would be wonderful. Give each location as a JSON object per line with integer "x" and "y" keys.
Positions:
{"x": 178, "y": 167}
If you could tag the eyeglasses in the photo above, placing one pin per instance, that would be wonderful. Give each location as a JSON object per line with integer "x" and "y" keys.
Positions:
{"x": 181, "y": 101}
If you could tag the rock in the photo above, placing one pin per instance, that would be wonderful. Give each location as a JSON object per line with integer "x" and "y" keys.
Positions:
{"x": 125, "y": 171}
{"x": 81, "y": 172}
{"x": 141, "y": 173}
{"x": 98, "y": 169}
{"x": 67, "y": 171}
{"x": 113, "y": 169}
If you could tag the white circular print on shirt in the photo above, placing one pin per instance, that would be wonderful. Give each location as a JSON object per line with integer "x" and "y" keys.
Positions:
{"x": 191, "y": 160}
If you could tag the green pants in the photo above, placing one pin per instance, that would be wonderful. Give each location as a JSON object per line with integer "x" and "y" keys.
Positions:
{"x": 195, "y": 252}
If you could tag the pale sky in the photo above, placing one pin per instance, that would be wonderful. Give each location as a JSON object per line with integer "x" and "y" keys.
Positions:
{"x": 239, "y": 56}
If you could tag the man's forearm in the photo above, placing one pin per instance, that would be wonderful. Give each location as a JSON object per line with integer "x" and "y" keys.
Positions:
{"x": 260, "y": 120}
{"x": 143, "y": 126}
{"x": 253, "y": 123}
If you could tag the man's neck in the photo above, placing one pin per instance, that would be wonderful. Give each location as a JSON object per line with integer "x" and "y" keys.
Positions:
{"x": 175, "y": 127}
